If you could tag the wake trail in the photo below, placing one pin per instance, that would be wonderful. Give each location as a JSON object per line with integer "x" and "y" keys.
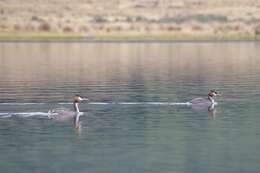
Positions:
{"x": 104, "y": 103}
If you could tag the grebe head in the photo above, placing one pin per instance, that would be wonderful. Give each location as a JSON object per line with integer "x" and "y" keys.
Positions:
{"x": 213, "y": 93}
{"x": 77, "y": 98}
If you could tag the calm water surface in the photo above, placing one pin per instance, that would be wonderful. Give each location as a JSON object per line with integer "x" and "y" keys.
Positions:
{"x": 145, "y": 134}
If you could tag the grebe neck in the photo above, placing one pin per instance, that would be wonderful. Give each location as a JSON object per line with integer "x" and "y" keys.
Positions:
{"x": 211, "y": 99}
{"x": 76, "y": 106}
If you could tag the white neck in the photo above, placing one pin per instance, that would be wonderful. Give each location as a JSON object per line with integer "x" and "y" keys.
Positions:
{"x": 76, "y": 106}
{"x": 211, "y": 99}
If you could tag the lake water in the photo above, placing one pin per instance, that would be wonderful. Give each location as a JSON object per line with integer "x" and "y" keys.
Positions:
{"x": 132, "y": 122}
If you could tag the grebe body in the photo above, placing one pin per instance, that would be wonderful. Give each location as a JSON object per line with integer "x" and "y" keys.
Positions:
{"x": 205, "y": 102}
{"x": 65, "y": 113}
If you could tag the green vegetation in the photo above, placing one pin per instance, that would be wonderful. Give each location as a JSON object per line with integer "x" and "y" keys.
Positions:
{"x": 121, "y": 37}
{"x": 203, "y": 18}
{"x": 39, "y": 36}
{"x": 257, "y": 30}
{"x": 174, "y": 37}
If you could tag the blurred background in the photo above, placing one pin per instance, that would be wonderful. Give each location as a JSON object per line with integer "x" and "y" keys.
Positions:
{"x": 132, "y": 17}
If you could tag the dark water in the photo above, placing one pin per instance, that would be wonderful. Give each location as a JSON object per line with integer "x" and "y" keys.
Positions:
{"x": 131, "y": 123}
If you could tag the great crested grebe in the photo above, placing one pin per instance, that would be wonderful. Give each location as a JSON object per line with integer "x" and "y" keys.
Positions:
{"x": 206, "y": 102}
{"x": 64, "y": 113}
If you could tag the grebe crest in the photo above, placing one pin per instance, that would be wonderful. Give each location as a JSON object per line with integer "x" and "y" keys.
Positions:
{"x": 77, "y": 98}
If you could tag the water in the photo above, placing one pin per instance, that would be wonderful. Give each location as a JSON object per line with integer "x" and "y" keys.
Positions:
{"x": 137, "y": 119}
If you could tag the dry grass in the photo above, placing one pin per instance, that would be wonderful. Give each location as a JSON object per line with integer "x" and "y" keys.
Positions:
{"x": 197, "y": 27}
{"x": 131, "y": 17}
{"x": 44, "y": 27}
{"x": 67, "y": 29}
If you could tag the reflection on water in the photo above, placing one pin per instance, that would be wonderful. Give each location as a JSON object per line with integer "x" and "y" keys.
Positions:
{"x": 138, "y": 119}
{"x": 212, "y": 112}
{"x": 31, "y": 73}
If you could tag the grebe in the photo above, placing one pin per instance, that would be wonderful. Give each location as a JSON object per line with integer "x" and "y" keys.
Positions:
{"x": 206, "y": 102}
{"x": 64, "y": 113}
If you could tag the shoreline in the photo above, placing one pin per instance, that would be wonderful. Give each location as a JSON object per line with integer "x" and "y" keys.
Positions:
{"x": 75, "y": 37}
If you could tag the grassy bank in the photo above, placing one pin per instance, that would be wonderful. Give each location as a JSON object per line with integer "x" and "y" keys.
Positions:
{"x": 174, "y": 37}
{"x": 121, "y": 37}
{"x": 38, "y": 36}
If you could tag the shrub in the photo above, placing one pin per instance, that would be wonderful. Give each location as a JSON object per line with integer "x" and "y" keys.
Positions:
{"x": 44, "y": 26}
{"x": 129, "y": 19}
{"x": 233, "y": 28}
{"x": 108, "y": 29}
{"x": 29, "y": 27}
{"x": 99, "y": 19}
{"x": 140, "y": 19}
{"x": 209, "y": 18}
{"x": 204, "y": 18}
{"x": 67, "y": 29}
{"x": 35, "y": 18}
{"x": 196, "y": 28}
{"x": 257, "y": 30}
{"x": 17, "y": 27}
{"x": 3, "y": 27}
{"x": 101, "y": 27}
{"x": 147, "y": 28}
{"x": 173, "y": 28}
{"x": 84, "y": 28}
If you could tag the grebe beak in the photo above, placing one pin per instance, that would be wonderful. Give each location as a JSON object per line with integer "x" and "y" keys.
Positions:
{"x": 84, "y": 99}
{"x": 217, "y": 93}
